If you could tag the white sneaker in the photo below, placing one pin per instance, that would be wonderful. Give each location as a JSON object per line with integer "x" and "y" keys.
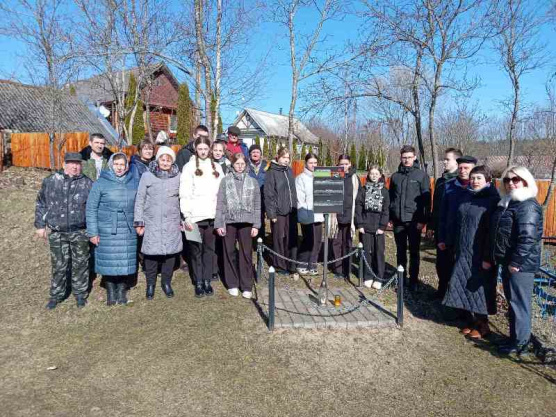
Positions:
{"x": 368, "y": 283}
{"x": 302, "y": 271}
{"x": 377, "y": 285}
{"x": 314, "y": 272}
{"x": 247, "y": 294}
{"x": 234, "y": 292}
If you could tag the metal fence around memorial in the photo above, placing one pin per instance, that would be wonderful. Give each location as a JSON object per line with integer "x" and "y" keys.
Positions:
{"x": 269, "y": 277}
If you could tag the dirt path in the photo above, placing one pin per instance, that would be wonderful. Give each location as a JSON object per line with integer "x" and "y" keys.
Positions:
{"x": 214, "y": 357}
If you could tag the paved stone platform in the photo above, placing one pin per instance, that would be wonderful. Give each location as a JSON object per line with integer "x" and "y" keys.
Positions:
{"x": 298, "y": 308}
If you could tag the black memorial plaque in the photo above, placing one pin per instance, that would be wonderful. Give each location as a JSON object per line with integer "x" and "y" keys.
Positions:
{"x": 328, "y": 190}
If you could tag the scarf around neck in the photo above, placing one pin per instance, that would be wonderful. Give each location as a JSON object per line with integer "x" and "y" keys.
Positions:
{"x": 240, "y": 192}
{"x": 373, "y": 196}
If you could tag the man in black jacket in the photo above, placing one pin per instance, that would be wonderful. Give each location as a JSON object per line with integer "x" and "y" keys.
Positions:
{"x": 187, "y": 151}
{"x": 60, "y": 207}
{"x": 97, "y": 146}
{"x": 409, "y": 211}
{"x": 444, "y": 259}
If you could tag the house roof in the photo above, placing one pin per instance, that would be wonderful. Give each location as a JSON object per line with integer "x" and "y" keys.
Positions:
{"x": 539, "y": 165}
{"x": 276, "y": 125}
{"x": 98, "y": 89}
{"x": 26, "y": 108}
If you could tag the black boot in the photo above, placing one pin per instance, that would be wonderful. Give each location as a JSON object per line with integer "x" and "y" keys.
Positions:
{"x": 167, "y": 288}
{"x": 110, "y": 293}
{"x": 150, "y": 291}
{"x": 121, "y": 292}
{"x": 208, "y": 289}
{"x": 81, "y": 301}
{"x": 199, "y": 290}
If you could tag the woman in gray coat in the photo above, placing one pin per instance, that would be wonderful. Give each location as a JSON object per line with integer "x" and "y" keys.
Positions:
{"x": 157, "y": 219}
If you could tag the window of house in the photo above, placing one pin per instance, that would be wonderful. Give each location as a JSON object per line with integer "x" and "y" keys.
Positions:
{"x": 173, "y": 123}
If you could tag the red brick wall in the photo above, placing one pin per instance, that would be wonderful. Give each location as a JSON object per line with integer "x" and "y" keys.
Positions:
{"x": 164, "y": 93}
{"x": 160, "y": 121}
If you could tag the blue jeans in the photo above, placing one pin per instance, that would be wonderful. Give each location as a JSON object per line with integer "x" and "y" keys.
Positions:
{"x": 518, "y": 289}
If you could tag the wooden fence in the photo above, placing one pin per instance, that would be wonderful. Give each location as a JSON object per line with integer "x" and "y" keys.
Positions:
{"x": 33, "y": 149}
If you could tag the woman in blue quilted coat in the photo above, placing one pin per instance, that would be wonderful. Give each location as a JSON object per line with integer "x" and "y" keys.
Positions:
{"x": 472, "y": 287}
{"x": 110, "y": 227}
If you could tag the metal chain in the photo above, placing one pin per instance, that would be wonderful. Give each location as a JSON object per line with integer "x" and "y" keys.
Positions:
{"x": 331, "y": 261}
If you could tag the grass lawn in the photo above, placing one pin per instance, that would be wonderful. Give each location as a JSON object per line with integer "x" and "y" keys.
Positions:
{"x": 215, "y": 356}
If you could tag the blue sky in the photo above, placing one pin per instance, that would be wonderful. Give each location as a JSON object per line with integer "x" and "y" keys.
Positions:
{"x": 495, "y": 86}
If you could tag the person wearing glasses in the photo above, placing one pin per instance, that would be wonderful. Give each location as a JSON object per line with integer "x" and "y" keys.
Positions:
{"x": 410, "y": 201}
{"x": 515, "y": 245}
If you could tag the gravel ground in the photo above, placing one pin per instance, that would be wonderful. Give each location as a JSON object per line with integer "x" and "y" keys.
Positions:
{"x": 215, "y": 357}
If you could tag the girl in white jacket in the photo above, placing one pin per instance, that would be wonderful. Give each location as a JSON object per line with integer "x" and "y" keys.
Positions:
{"x": 199, "y": 183}
{"x": 311, "y": 222}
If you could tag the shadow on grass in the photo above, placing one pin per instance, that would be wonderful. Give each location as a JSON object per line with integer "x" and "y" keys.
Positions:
{"x": 530, "y": 362}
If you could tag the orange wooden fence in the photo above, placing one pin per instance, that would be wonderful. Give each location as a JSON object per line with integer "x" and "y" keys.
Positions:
{"x": 33, "y": 149}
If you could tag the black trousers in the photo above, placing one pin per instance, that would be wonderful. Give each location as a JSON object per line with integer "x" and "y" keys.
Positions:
{"x": 238, "y": 265}
{"x": 202, "y": 254}
{"x": 166, "y": 264}
{"x": 445, "y": 261}
{"x": 374, "y": 246}
{"x": 405, "y": 233}
{"x": 518, "y": 289}
{"x": 284, "y": 240}
{"x": 218, "y": 262}
{"x": 341, "y": 245}
{"x": 310, "y": 245}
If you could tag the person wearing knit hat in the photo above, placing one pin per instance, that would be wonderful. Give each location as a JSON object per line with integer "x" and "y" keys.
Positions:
{"x": 157, "y": 219}
{"x": 166, "y": 150}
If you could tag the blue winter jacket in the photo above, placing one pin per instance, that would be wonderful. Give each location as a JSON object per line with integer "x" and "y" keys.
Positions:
{"x": 261, "y": 174}
{"x": 110, "y": 215}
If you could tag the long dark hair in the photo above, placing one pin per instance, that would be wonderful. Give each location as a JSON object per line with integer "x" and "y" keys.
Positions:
{"x": 344, "y": 156}
{"x": 311, "y": 155}
{"x": 206, "y": 141}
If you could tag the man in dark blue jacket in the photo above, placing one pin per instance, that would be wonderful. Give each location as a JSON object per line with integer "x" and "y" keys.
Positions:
{"x": 410, "y": 201}
{"x": 60, "y": 207}
{"x": 455, "y": 192}
{"x": 444, "y": 260}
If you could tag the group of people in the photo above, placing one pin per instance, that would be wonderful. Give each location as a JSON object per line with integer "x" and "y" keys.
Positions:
{"x": 481, "y": 232}
{"x": 209, "y": 202}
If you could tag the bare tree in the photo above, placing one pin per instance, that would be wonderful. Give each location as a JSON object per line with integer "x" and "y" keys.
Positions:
{"x": 518, "y": 23}
{"x": 549, "y": 118}
{"x": 213, "y": 38}
{"x": 303, "y": 45}
{"x": 42, "y": 26}
{"x": 115, "y": 36}
{"x": 461, "y": 126}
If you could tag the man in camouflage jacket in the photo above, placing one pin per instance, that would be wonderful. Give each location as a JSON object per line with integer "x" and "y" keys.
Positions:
{"x": 61, "y": 207}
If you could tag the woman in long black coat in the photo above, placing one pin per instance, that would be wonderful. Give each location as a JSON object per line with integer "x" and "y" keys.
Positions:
{"x": 473, "y": 288}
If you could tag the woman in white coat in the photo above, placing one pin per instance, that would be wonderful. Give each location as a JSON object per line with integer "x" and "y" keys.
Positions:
{"x": 311, "y": 222}
{"x": 199, "y": 183}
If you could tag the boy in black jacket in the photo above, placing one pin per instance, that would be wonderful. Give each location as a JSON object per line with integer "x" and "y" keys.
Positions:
{"x": 410, "y": 201}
